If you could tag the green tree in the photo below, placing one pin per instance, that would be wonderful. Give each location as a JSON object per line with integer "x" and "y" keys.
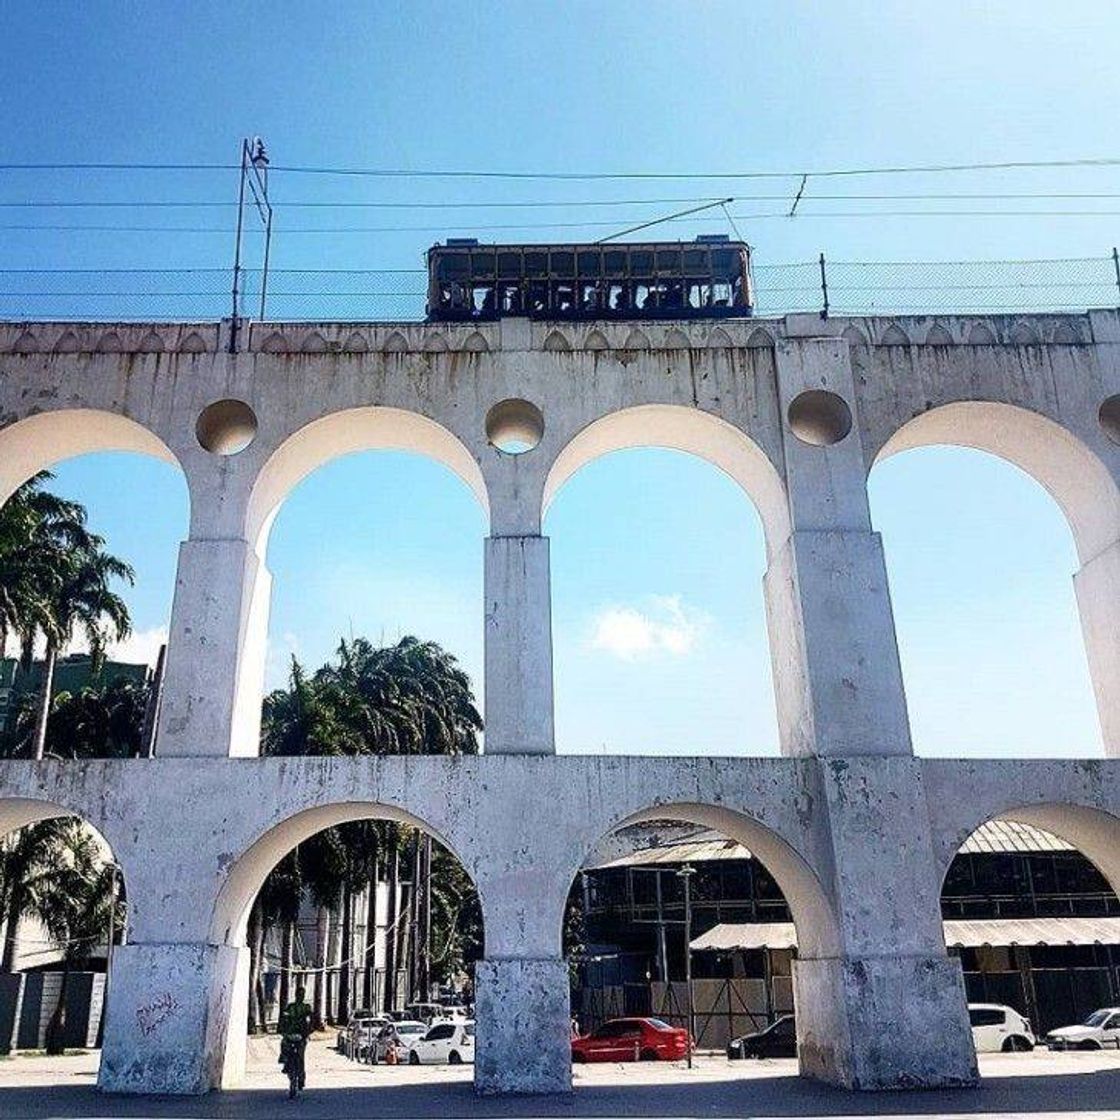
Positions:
{"x": 34, "y": 526}
{"x": 81, "y": 601}
{"x": 28, "y": 858}
{"x": 95, "y": 722}
{"x": 75, "y": 897}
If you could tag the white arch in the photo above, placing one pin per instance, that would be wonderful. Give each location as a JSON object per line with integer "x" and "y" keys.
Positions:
{"x": 1087, "y": 494}
{"x": 691, "y": 430}
{"x": 1094, "y": 832}
{"x": 343, "y": 433}
{"x": 247, "y": 872}
{"x": 813, "y": 917}
{"x": 47, "y": 438}
{"x": 1052, "y": 455}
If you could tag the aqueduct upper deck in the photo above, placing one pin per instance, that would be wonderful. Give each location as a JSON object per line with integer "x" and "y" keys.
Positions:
{"x": 796, "y": 410}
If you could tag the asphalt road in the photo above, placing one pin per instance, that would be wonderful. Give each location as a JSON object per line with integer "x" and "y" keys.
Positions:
{"x": 1050, "y": 1086}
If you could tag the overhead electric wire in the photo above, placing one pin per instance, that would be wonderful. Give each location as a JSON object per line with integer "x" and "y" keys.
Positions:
{"x": 466, "y": 173}
{"x": 544, "y": 226}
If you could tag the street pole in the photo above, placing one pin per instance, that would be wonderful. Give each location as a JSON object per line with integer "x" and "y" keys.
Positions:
{"x": 685, "y": 874}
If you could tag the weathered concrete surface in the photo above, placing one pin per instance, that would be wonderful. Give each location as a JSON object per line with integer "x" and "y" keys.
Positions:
{"x": 857, "y": 833}
{"x": 884, "y": 1022}
{"x": 525, "y": 1048}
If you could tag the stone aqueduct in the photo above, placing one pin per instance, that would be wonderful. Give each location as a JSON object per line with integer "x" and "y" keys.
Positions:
{"x": 857, "y": 831}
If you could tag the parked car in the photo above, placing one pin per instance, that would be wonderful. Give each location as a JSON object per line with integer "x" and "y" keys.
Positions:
{"x": 1099, "y": 1032}
{"x": 361, "y": 1035}
{"x": 631, "y": 1040}
{"x": 996, "y": 1027}
{"x": 778, "y": 1040}
{"x": 344, "y": 1032}
{"x": 429, "y": 1013}
{"x": 450, "y": 1041}
{"x": 401, "y": 1035}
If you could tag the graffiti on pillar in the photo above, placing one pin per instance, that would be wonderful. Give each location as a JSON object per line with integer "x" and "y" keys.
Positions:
{"x": 153, "y": 1015}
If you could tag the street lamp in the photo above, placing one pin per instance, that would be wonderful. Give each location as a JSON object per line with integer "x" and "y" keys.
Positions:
{"x": 685, "y": 874}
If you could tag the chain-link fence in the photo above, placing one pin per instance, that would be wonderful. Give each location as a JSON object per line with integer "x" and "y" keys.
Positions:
{"x": 841, "y": 287}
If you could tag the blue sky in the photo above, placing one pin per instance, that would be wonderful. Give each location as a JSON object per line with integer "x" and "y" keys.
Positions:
{"x": 979, "y": 557}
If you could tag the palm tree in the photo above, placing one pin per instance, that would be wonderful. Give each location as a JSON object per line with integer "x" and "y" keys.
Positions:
{"x": 105, "y": 722}
{"x": 34, "y": 525}
{"x": 28, "y": 858}
{"x": 81, "y": 601}
{"x": 77, "y": 904}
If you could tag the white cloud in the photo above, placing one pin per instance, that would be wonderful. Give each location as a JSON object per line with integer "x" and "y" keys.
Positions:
{"x": 665, "y": 626}
{"x": 141, "y": 647}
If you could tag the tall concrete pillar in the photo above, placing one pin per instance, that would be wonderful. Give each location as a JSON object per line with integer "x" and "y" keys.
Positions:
{"x": 166, "y": 1025}
{"x": 1097, "y": 586}
{"x": 868, "y": 1009}
{"x": 519, "y": 712}
{"x": 523, "y": 1013}
{"x": 215, "y": 652}
{"x": 888, "y": 1010}
{"x": 837, "y": 676}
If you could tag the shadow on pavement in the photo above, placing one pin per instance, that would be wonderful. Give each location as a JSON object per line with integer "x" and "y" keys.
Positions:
{"x": 734, "y": 1097}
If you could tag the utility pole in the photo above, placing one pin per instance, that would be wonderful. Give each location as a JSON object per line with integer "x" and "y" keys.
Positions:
{"x": 685, "y": 874}
{"x": 254, "y": 178}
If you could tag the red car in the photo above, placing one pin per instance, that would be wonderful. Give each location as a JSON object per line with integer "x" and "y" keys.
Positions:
{"x": 631, "y": 1040}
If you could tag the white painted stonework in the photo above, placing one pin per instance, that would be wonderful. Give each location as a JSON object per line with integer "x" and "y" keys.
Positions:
{"x": 857, "y": 832}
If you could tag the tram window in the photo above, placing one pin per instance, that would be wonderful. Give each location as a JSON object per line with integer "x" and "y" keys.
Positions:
{"x": 643, "y": 297}
{"x": 668, "y": 260}
{"x": 721, "y": 294}
{"x": 510, "y": 298}
{"x": 672, "y": 294}
{"x": 588, "y": 295}
{"x": 699, "y": 294}
{"x": 482, "y": 266}
{"x": 614, "y": 262}
{"x": 588, "y": 263}
{"x": 455, "y": 266}
{"x": 482, "y": 298}
{"x": 641, "y": 262}
{"x": 536, "y": 264}
{"x": 618, "y": 297}
{"x": 563, "y": 298}
{"x": 563, "y": 264}
{"x": 537, "y": 302}
{"x": 509, "y": 266}
{"x": 453, "y": 295}
{"x": 695, "y": 261}
{"x": 725, "y": 262}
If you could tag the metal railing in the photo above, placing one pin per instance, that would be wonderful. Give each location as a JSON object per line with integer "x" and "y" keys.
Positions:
{"x": 823, "y": 285}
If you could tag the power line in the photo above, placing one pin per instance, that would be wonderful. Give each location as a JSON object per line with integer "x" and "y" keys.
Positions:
{"x": 411, "y": 173}
{"x": 542, "y": 226}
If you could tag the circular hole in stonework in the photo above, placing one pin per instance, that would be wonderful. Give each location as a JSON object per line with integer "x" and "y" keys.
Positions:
{"x": 514, "y": 426}
{"x": 226, "y": 427}
{"x": 820, "y": 417}
{"x": 1109, "y": 416}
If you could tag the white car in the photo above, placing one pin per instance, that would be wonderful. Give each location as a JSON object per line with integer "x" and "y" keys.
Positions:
{"x": 450, "y": 1042}
{"x": 1100, "y": 1031}
{"x": 996, "y": 1027}
{"x": 361, "y": 1035}
{"x": 399, "y": 1035}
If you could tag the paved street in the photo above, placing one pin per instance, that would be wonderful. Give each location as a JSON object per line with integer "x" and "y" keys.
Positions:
{"x": 1059, "y": 1087}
